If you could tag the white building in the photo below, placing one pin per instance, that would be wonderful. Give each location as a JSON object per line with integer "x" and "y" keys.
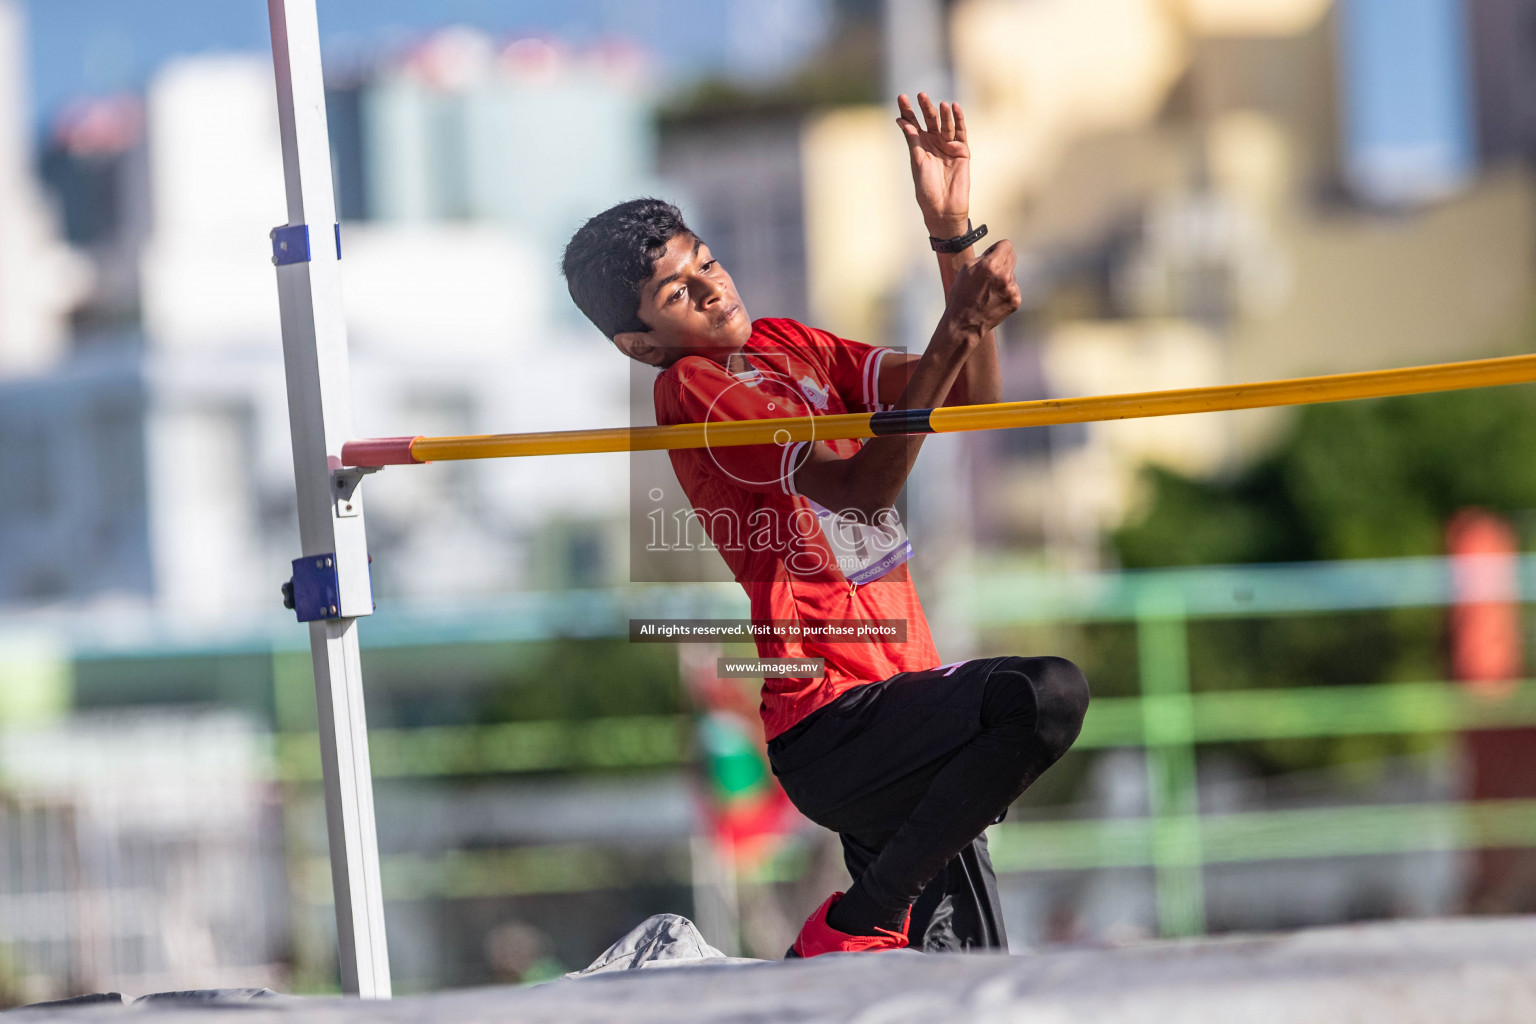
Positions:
{"x": 161, "y": 471}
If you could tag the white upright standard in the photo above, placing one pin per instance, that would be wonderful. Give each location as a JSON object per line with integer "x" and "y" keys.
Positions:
{"x": 331, "y": 585}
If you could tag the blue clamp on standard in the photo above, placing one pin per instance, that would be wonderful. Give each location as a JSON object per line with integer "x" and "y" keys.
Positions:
{"x": 315, "y": 591}
{"x": 290, "y": 244}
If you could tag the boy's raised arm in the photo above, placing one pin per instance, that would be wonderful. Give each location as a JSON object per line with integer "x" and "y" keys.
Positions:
{"x": 941, "y": 177}
{"x": 959, "y": 366}
{"x": 984, "y": 294}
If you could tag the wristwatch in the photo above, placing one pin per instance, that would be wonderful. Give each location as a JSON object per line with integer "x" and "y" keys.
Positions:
{"x": 959, "y": 243}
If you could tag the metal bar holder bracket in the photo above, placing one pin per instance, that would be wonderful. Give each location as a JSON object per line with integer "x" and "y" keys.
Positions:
{"x": 314, "y": 593}
{"x": 290, "y": 244}
{"x": 344, "y": 487}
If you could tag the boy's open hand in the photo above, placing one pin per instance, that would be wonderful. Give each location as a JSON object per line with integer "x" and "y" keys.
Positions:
{"x": 941, "y": 163}
{"x": 985, "y": 292}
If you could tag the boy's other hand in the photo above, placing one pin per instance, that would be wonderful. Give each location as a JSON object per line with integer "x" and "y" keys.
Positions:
{"x": 941, "y": 163}
{"x": 985, "y": 292}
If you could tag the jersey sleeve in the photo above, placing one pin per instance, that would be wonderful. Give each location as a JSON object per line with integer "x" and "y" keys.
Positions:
{"x": 700, "y": 390}
{"x": 853, "y": 368}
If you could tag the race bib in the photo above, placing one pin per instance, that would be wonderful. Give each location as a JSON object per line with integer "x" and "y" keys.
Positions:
{"x": 864, "y": 551}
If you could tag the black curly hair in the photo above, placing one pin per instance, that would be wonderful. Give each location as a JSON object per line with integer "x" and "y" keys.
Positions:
{"x": 611, "y": 256}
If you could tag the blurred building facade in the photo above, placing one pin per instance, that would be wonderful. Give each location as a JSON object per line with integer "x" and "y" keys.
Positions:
{"x": 150, "y": 501}
{"x": 453, "y": 220}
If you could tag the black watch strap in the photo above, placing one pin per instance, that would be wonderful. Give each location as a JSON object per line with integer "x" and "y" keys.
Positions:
{"x": 959, "y": 243}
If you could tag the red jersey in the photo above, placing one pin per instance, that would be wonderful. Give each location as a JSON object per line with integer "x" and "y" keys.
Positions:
{"x": 790, "y": 555}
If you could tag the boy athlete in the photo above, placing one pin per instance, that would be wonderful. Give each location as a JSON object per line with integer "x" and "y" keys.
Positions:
{"x": 908, "y": 760}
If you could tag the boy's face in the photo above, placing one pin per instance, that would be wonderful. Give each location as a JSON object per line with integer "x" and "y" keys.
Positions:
{"x": 691, "y": 307}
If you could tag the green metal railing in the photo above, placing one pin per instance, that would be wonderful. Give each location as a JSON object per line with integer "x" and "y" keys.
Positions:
{"x": 1387, "y": 709}
{"x": 1167, "y": 721}
{"x": 641, "y": 741}
{"x": 1175, "y": 840}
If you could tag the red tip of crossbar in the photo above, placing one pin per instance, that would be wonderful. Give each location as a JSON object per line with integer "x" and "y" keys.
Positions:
{"x": 380, "y": 451}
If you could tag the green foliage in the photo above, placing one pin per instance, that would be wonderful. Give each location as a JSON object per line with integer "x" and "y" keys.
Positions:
{"x": 576, "y": 679}
{"x": 1353, "y": 480}
{"x": 1378, "y": 479}
{"x": 1391, "y": 645}
{"x": 1197, "y": 522}
{"x": 1372, "y": 479}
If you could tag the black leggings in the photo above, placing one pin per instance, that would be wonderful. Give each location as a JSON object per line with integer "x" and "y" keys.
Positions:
{"x": 913, "y": 769}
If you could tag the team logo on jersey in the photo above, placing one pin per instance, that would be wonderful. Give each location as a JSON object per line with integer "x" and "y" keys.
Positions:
{"x": 817, "y": 396}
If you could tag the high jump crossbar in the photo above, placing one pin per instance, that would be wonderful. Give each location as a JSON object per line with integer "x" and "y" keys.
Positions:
{"x": 1342, "y": 387}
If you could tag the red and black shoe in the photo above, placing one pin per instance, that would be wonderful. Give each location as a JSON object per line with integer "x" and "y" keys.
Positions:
{"x": 817, "y": 937}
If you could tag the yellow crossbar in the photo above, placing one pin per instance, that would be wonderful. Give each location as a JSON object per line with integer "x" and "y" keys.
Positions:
{"x": 1341, "y": 387}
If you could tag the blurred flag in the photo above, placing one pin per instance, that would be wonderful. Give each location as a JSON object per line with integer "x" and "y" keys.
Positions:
{"x": 1487, "y": 657}
{"x": 747, "y": 812}
{"x": 1485, "y": 618}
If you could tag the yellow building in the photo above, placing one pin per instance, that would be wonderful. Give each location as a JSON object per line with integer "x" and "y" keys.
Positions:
{"x": 1170, "y": 170}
